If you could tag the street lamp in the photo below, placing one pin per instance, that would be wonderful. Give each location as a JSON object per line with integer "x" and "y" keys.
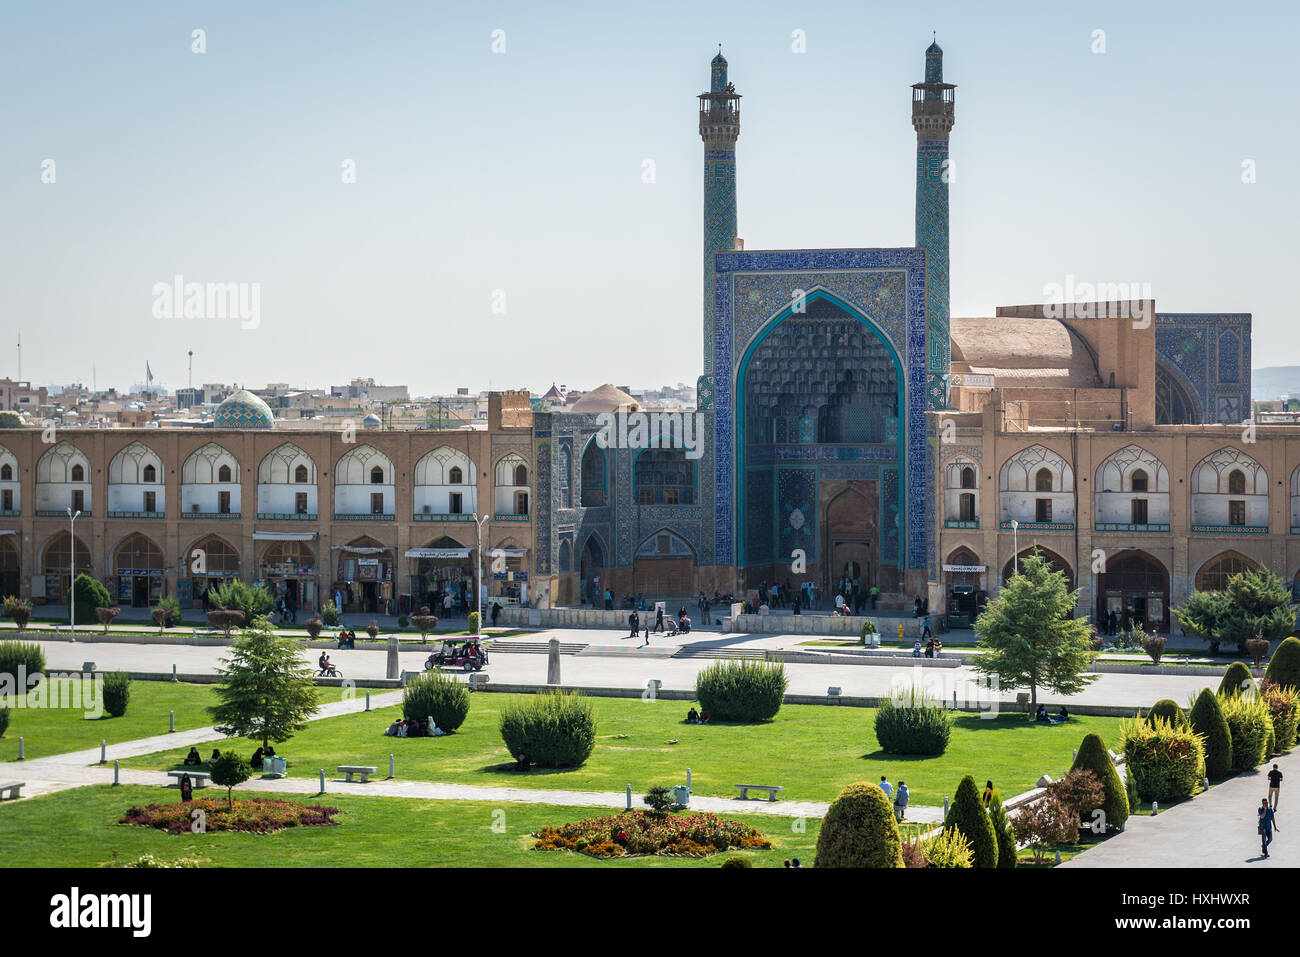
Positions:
{"x": 1015, "y": 548}
{"x": 72, "y": 569}
{"x": 478, "y": 569}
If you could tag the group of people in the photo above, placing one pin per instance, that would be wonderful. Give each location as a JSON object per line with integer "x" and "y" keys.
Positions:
{"x": 1042, "y": 717}
{"x": 414, "y": 728}
{"x": 259, "y": 757}
{"x": 654, "y": 624}
{"x": 697, "y": 717}
{"x": 194, "y": 759}
{"x": 286, "y": 606}
{"x": 931, "y": 648}
{"x": 898, "y": 795}
{"x": 327, "y": 668}
{"x": 347, "y": 638}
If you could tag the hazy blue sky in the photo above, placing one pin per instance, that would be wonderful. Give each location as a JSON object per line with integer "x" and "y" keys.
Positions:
{"x": 522, "y": 172}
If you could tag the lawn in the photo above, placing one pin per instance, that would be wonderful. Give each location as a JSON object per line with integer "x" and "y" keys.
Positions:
{"x": 47, "y": 731}
{"x": 78, "y": 828}
{"x": 811, "y": 750}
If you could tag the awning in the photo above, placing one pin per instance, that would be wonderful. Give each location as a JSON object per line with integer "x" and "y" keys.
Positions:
{"x": 284, "y": 536}
{"x": 361, "y": 549}
{"x": 437, "y": 553}
{"x": 7, "y": 531}
{"x": 965, "y": 568}
{"x": 509, "y": 552}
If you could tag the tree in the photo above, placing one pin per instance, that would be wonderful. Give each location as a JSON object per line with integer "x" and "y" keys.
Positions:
{"x": 1043, "y": 823}
{"x": 229, "y": 771}
{"x": 106, "y": 616}
{"x": 266, "y": 692}
{"x": 1256, "y": 603}
{"x": 225, "y": 619}
{"x": 1284, "y": 666}
{"x": 859, "y": 830}
{"x": 253, "y": 600}
{"x": 89, "y": 594}
{"x": 10, "y": 420}
{"x": 1208, "y": 721}
{"x": 967, "y": 815}
{"x": 1001, "y": 822}
{"x": 1029, "y": 636}
{"x": 1094, "y": 757}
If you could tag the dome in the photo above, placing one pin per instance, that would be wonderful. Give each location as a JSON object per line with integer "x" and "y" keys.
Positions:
{"x": 243, "y": 410}
{"x": 605, "y": 398}
{"x": 934, "y": 48}
{"x": 719, "y": 59}
{"x": 371, "y": 422}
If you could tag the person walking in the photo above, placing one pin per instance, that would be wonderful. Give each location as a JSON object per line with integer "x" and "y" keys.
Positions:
{"x": 900, "y": 802}
{"x": 886, "y": 787}
{"x": 988, "y": 794}
{"x": 634, "y": 623}
{"x": 875, "y": 596}
{"x": 659, "y": 619}
{"x": 1267, "y": 824}
{"x": 1274, "y": 786}
{"x": 925, "y": 627}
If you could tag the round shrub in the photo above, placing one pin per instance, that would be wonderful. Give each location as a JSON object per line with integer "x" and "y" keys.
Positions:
{"x": 859, "y": 830}
{"x": 741, "y": 689}
{"x": 967, "y": 815}
{"x": 912, "y": 722}
{"x": 329, "y": 614}
{"x": 1236, "y": 679}
{"x": 552, "y": 729}
{"x": 434, "y": 694}
{"x": 1166, "y": 761}
{"x": 314, "y": 627}
{"x": 737, "y": 861}
{"x": 21, "y": 659}
{"x": 1170, "y": 712}
{"x": 117, "y": 692}
{"x": 1284, "y": 707}
{"x": 403, "y": 621}
{"x": 89, "y": 594}
{"x": 947, "y": 850}
{"x": 1094, "y": 757}
{"x": 1250, "y": 724}
{"x": 1208, "y": 721}
{"x": 1284, "y": 666}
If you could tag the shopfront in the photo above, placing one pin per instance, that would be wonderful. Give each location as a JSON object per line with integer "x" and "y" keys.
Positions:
{"x": 509, "y": 578}
{"x": 138, "y": 566}
{"x": 209, "y": 562}
{"x": 440, "y": 569}
{"x": 288, "y": 568}
{"x": 363, "y": 578}
{"x": 1133, "y": 590}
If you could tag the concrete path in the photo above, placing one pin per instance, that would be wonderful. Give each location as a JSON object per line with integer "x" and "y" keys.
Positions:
{"x": 1215, "y": 829}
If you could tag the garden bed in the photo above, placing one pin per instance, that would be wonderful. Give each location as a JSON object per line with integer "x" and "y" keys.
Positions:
{"x": 249, "y": 816}
{"x": 647, "y": 833}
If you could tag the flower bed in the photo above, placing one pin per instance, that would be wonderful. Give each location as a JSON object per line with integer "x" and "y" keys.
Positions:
{"x": 642, "y": 833}
{"x": 252, "y": 816}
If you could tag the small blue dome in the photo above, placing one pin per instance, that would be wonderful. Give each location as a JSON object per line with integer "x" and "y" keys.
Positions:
{"x": 243, "y": 410}
{"x": 934, "y": 48}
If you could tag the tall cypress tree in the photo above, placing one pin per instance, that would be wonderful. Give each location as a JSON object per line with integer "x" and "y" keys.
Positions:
{"x": 968, "y": 816}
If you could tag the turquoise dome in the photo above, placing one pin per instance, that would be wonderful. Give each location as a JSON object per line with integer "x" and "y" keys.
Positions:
{"x": 243, "y": 410}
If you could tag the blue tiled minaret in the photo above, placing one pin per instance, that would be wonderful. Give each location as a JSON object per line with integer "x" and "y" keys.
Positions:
{"x": 932, "y": 118}
{"x": 719, "y": 128}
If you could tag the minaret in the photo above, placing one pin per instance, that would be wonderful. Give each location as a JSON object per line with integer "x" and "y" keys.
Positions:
{"x": 719, "y": 128}
{"x": 932, "y": 118}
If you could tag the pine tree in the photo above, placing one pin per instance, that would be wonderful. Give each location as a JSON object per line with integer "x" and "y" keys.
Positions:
{"x": 968, "y": 816}
{"x": 266, "y": 692}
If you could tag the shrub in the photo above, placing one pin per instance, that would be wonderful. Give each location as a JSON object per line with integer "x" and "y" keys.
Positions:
{"x": 172, "y": 607}
{"x": 424, "y": 622}
{"x": 4, "y": 721}
{"x": 1131, "y": 788}
{"x": 1236, "y": 680}
{"x": 229, "y": 771}
{"x": 434, "y": 694}
{"x": 859, "y": 830}
{"x": 552, "y": 729}
{"x": 949, "y": 849}
{"x": 314, "y": 627}
{"x": 1249, "y": 722}
{"x": 117, "y": 692}
{"x": 1081, "y": 793}
{"x": 1154, "y": 645}
{"x": 1042, "y": 823}
{"x": 912, "y": 722}
{"x": 329, "y": 613}
{"x": 161, "y": 616}
{"x": 643, "y": 833}
{"x": 89, "y": 594}
{"x": 372, "y": 630}
{"x": 106, "y": 616}
{"x": 253, "y": 816}
{"x": 403, "y": 621}
{"x": 254, "y": 601}
{"x": 1284, "y": 667}
{"x": 1208, "y": 721}
{"x": 225, "y": 619}
{"x": 1170, "y": 712}
{"x": 24, "y": 656}
{"x": 1094, "y": 757}
{"x": 1165, "y": 761}
{"x": 1284, "y": 707}
{"x": 19, "y": 610}
{"x": 913, "y": 853}
{"x": 1001, "y": 822}
{"x": 659, "y": 797}
{"x": 737, "y": 861}
{"x": 868, "y": 628}
{"x": 1257, "y": 650}
{"x": 474, "y": 620}
{"x": 741, "y": 690}
{"x": 967, "y": 815}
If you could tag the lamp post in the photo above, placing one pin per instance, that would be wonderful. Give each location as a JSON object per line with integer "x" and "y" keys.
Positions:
{"x": 72, "y": 569}
{"x": 478, "y": 569}
{"x": 1015, "y": 548}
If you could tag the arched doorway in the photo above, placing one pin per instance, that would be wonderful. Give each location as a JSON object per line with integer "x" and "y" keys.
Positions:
{"x": 591, "y": 570}
{"x": 57, "y": 564}
{"x": 664, "y": 566}
{"x": 1215, "y": 573}
{"x": 9, "y": 565}
{"x": 138, "y": 565}
{"x": 289, "y": 569}
{"x": 364, "y": 577}
{"x": 442, "y": 577}
{"x": 1054, "y": 561}
{"x": 849, "y": 531}
{"x": 1134, "y": 588}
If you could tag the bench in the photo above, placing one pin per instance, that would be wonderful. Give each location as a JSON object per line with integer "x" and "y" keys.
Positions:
{"x": 12, "y": 788}
{"x": 351, "y": 769}
{"x": 198, "y": 778}
{"x": 477, "y": 680}
{"x": 746, "y": 788}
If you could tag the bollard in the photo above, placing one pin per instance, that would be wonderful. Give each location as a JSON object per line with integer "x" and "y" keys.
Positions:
{"x": 171, "y": 722}
{"x": 945, "y": 807}
{"x": 20, "y": 748}
{"x": 954, "y": 699}
{"x": 322, "y": 780}
{"x": 1058, "y": 857}
{"x": 629, "y": 797}
{"x": 390, "y": 766}
{"x": 367, "y": 700}
{"x": 1075, "y": 752}
{"x": 174, "y": 673}
{"x": 1155, "y": 808}
{"x": 103, "y": 750}
{"x": 688, "y": 779}
{"x": 116, "y": 772}
{"x": 1205, "y": 783}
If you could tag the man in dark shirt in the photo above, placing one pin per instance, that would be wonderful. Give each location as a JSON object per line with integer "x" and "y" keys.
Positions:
{"x": 1267, "y": 823}
{"x": 1274, "y": 786}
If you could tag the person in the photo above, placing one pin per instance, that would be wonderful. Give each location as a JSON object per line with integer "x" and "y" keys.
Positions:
{"x": 900, "y": 801}
{"x": 322, "y": 661}
{"x": 187, "y": 788}
{"x": 256, "y": 761}
{"x": 343, "y": 637}
{"x": 938, "y": 645}
{"x": 704, "y": 717}
{"x": 659, "y": 619}
{"x": 392, "y": 729}
{"x": 1062, "y": 715}
{"x": 496, "y": 612}
{"x": 1274, "y": 786}
{"x": 1267, "y": 825}
{"x": 352, "y": 638}
{"x": 684, "y": 622}
{"x": 916, "y": 648}
{"x": 794, "y": 862}
{"x": 692, "y": 716}
{"x": 916, "y": 607}
{"x": 925, "y": 627}
{"x": 193, "y": 758}
{"x": 886, "y": 787}
{"x": 1041, "y": 715}
{"x": 403, "y": 728}
{"x": 929, "y": 648}
{"x": 269, "y": 752}
{"x": 875, "y": 596}
{"x": 634, "y": 623}
{"x": 647, "y": 630}
{"x": 988, "y": 794}
{"x": 215, "y": 754}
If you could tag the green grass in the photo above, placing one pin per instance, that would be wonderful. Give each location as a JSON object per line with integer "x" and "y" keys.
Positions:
{"x": 813, "y": 751}
{"x": 78, "y": 828}
{"x": 47, "y": 731}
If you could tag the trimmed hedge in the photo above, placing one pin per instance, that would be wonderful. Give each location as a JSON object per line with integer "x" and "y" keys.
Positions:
{"x": 25, "y": 655}
{"x": 912, "y": 722}
{"x": 436, "y": 695}
{"x": 551, "y": 729}
{"x": 1236, "y": 679}
{"x": 1208, "y": 721}
{"x": 741, "y": 689}
{"x": 1165, "y": 760}
{"x": 859, "y": 830}
{"x": 1250, "y": 723}
{"x": 1170, "y": 712}
{"x": 117, "y": 692}
{"x": 967, "y": 816}
{"x": 1094, "y": 757}
{"x": 1284, "y": 666}
{"x": 1284, "y": 707}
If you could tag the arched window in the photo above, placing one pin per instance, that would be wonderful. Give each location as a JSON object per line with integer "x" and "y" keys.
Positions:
{"x": 1215, "y": 573}
{"x": 6, "y": 473}
{"x": 967, "y": 503}
{"x": 1043, "y": 480}
{"x": 78, "y": 474}
{"x": 150, "y": 473}
{"x": 376, "y": 476}
{"x": 1139, "y": 481}
{"x": 300, "y": 474}
{"x": 968, "y": 477}
{"x": 521, "y": 474}
{"x": 223, "y": 474}
{"x": 1236, "y": 482}
{"x": 665, "y": 477}
{"x": 455, "y": 476}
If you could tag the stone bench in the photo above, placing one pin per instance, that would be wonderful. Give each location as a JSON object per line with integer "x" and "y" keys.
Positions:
{"x": 198, "y": 778}
{"x": 350, "y": 769}
{"x": 746, "y": 788}
{"x": 12, "y": 788}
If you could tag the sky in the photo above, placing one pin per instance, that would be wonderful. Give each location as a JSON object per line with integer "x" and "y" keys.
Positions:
{"x": 504, "y": 229}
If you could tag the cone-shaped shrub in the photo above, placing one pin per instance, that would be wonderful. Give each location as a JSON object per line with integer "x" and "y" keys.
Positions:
{"x": 1208, "y": 721}
{"x": 1094, "y": 757}
{"x": 1236, "y": 679}
{"x": 1002, "y": 831}
{"x": 117, "y": 692}
{"x": 859, "y": 830}
{"x": 438, "y": 696}
{"x": 1166, "y": 761}
{"x": 968, "y": 816}
{"x": 1284, "y": 667}
{"x": 1170, "y": 712}
{"x": 741, "y": 690}
{"x": 1250, "y": 724}
{"x": 4, "y": 721}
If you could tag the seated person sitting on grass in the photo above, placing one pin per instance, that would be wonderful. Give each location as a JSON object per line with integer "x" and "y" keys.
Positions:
{"x": 1041, "y": 715}
{"x": 1062, "y": 715}
{"x": 192, "y": 758}
{"x": 704, "y": 717}
{"x": 692, "y": 717}
{"x": 392, "y": 729}
{"x": 215, "y": 754}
